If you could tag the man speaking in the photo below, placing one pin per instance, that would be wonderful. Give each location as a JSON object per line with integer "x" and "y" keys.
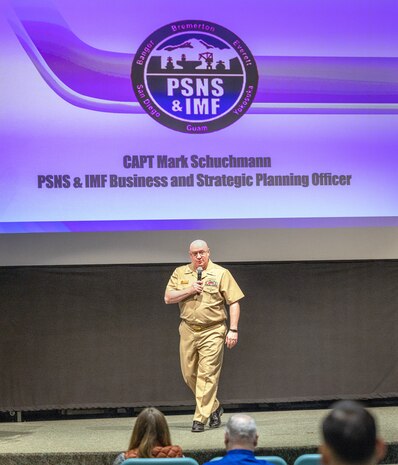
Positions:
{"x": 202, "y": 289}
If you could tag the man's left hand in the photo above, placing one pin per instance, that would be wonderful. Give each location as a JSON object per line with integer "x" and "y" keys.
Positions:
{"x": 231, "y": 340}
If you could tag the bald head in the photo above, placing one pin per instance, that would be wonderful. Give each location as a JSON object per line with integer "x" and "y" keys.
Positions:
{"x": 198, "y": 243}
{"x": 241, "y": 432}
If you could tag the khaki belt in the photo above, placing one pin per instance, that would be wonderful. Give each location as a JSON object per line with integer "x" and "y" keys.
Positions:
{"x": 198, "y": 328}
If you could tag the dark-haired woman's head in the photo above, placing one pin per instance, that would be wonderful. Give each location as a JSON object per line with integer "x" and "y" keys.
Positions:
{"x": 150, "y": 430}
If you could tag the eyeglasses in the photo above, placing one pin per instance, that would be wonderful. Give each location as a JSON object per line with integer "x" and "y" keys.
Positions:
{"x": 199, "y": 253}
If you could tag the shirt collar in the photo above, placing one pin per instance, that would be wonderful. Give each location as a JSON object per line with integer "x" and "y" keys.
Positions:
{"x": 241, "y": 452}
{"x": 189, "y": 268}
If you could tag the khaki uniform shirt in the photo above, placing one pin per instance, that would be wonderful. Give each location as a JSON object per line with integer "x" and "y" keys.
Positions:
{"x": 207, "y": 308}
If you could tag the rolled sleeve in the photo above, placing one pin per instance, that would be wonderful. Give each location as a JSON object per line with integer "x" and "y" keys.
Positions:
{"x": 229, "y": 288}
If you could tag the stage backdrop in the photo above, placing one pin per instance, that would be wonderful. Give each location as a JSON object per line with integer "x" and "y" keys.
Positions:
{"x": 101, "y": 336}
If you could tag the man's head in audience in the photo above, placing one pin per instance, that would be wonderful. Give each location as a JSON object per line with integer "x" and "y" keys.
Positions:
{"x": 241, "y": 433}
{"x": 349, "y": 433}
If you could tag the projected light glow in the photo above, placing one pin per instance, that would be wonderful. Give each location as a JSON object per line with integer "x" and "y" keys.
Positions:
{"x": 316, "y": 147}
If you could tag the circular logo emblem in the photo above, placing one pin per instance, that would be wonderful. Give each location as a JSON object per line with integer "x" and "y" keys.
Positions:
{"x": 194, "y": 76}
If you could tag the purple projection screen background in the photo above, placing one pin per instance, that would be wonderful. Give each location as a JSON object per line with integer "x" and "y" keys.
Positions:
{"x": 317, "y": 146}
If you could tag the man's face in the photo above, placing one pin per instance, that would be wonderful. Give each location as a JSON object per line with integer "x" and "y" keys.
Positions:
{"x": 199, "y": 256}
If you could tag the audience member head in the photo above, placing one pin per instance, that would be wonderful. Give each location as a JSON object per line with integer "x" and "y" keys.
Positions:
{"x": 150, "y": 430}
{"x": 349, "y": 433}
{"x": 241, "y": 432}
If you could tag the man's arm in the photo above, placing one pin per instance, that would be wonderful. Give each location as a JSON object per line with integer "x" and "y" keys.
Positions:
{"x": 173, "y": 296}
{"x": 232, "y": 337}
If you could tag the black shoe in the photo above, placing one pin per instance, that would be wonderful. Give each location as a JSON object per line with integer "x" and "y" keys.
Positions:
{"x": 197, "y": 427}
{"x": 215, "y": 418}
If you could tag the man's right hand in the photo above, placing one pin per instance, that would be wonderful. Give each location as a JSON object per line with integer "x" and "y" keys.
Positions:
{"x": 198, "y": 287}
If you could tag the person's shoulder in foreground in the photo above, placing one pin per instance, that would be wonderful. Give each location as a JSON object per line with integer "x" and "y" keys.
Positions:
{"x": 350, "y": 436}
{"x": 159, "y": 452}
{"x": 240, "y": 441}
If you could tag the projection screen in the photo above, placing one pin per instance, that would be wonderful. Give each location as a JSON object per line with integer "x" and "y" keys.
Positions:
{"x": 269, "y": 128}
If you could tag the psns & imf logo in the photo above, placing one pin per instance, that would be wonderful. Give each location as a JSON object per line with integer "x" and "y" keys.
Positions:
{"x": 194, "y": 76}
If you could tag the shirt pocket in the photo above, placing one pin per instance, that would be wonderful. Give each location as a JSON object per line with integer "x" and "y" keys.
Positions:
{"x": 212, "y": 294}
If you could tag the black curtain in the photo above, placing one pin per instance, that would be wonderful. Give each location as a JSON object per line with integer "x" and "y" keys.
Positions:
{"x": 101, "y": 336}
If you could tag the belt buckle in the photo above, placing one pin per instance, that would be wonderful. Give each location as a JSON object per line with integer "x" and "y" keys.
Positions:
{"x": 196, "y": 328}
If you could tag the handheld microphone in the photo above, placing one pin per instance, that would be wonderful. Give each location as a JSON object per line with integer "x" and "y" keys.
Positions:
{"x": 199, "y": 270}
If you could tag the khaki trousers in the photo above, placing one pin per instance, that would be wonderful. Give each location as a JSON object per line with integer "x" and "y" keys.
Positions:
{"x": 201, "y": 356}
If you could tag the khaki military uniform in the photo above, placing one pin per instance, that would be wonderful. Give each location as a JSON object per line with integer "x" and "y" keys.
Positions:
{"x": 203, "y": 330}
